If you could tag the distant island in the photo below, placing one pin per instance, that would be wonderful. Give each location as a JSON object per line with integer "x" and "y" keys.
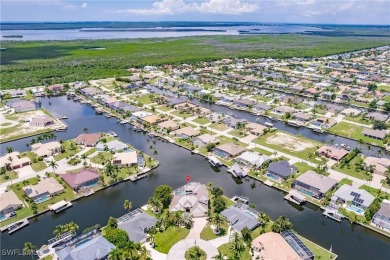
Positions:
{"x": 13, "y": 36}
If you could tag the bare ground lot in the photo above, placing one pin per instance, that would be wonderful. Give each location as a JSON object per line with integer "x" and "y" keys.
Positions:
{"x": 289, "y": 142}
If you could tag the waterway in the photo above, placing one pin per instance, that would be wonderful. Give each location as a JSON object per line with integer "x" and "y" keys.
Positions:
{"x": 349, "y": 242}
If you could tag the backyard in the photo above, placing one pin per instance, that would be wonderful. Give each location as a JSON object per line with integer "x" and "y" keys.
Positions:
{"x": 354, "y": 132}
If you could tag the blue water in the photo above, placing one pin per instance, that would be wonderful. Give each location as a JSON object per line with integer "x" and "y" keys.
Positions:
{"x": 82, "y": 242}
{"x": 42, "y": 199}
{"x": 271, "y": 176}
{"x": 355, "y": 209}
{"x": 2, "y": 217}
{"x": 306, "y": 192}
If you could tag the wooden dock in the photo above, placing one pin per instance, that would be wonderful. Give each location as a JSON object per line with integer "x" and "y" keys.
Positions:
{"x": 295, "y": 197}
{"x": 18, "y": 225}
{"x": 60, "y": 206}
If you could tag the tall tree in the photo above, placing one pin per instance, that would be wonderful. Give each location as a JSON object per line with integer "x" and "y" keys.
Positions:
{"x": 127, "y": 205}
{"x": 29, "y": 249}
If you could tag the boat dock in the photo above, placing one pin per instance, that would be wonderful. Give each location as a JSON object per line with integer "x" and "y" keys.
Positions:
{"x": 138, "y": 176}
{"x": 295, "y": 197}
{"x": 16, "y": 226}
{"x": 241, "y": 199}
{"x": 332, "y": 214}
{"x": 60, "y": 206}
{"x": 268, "y": 183}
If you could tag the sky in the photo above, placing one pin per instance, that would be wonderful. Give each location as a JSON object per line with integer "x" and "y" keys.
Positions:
{"x": 267, "y": 11}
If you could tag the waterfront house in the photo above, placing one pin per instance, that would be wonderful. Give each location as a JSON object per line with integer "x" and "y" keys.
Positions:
{"x": 313, "y": 184}
{"x": 137, "y": 116}
{"x": 152, "y": 119}
{"x": 295, "y": 242}
{"x": 172, "y": 101}
{"x": 332, "y": 152}
{"x": 255, "y": 129}
{"x": 381, "y": 218}
{"x": 113, "y": 146}
{"x": 252, "y": 159}
{"x": 56, "y": 89}
{"x": 22, "y": 105}
{"x": 232, "y": 121}
{"x": 90, "y": 92}
{"x": 17, "y": 93}
{"x": 244, "y": 103}
{"x": 9, "y": 203}
{"x": 168, "y": 125}
{"x": 43, "y": 190}
{"x": 323, "y": 122}
{"x": 185, "y": 107}
{"x": 352, "y": 198}
{"x": 81, "y": 179}
{"x": 351, "y": 112}
{"x": 192, "y": 198}
{"x": 228, "y": 150}
{"x": 137, "y": 225}
{"x": 89, "y": 246}
{"x": 186, "y": 132}
{"x": 46, "y": 149}
{"x": 302, "y": 117}
{"x": 38, "y": 91}
{"x": 380, "y": 165}
{"x": 125, "y": 159}
{"x": 272, "y": 246}
{"x": 334, "y": 108}
{"x": 14, "y": 161}
{"x": 205, "y": 139}
{"x": 260, "y": 107}
{"x": 240, "y": 215}
{"x": 280, "y": 171}
{"x": 41, "y": 121}
{"x": 88, "y": 140}
{"x": 375, "y": 133}
{"x": 282, "y": 110}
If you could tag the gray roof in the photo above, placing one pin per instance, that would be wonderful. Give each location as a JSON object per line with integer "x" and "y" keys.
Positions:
{"x": 113, "y": 145}
{"x": 384, "y": 210}
{"x": 95, "y": 248}
{"x": 346, "y": 193}
{"x": 137, "y": 226}
{"x": 262, "y": 106}
{"x": 318, "y": 181}
{"x": 282, "y": 168}
{"x": 240, "y": 216}
{"x": 374, "y": 132}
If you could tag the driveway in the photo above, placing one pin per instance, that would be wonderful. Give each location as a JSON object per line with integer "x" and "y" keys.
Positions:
{"x": 198, "y": 225}
{"x": 179, "y": 249}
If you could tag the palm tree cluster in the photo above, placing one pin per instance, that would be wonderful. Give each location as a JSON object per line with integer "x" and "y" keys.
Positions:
{"x": 42, "y": 137}
{"x": 69, "y": 227}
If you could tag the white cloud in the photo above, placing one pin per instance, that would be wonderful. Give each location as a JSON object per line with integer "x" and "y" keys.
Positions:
{"x": 84, "y": 5}
{"x": 171, "y": 7}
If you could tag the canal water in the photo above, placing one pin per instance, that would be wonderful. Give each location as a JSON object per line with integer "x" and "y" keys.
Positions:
{"x": 349, "y": 242}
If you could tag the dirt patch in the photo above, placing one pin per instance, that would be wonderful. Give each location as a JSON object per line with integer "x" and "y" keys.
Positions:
{"x": 289, "y": 142}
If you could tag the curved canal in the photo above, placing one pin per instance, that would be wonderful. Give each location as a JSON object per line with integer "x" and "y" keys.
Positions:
{"x": 349, "y": 242}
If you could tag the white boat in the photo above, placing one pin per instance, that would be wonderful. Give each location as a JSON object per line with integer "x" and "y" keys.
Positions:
{"x": 269, "y": 124}
{"x": 214, "y": 161}
{"x": 112, "y": 134}
{"x": 64, "y": 117}
{"x": 318, "y": 130}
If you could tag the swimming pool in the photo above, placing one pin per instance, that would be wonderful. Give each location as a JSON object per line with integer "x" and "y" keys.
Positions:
{"x": 273, "y": 177}
{"x": 306, "y": 192}
{"x": 220, "y": 154}
{"x": 2, "y": 217}
{"x": 82, "y": 242}
{"x": 42, "y": 199}
{"x": 354, "y": 209}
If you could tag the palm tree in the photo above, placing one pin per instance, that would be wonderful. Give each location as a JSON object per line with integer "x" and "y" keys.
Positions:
{"x": 53, "y": 164}
{"x": 9, "y": 149}
{"x": 60, "y": 229}
{"x": 144, "y": 253}
{"x": 128, "y": 205}
{"x": 220, "y": 256}
{"x": 237, "y": 244}
{"x": 72, "y": 226}
{"x": 263, "y": 218}
{"x": 85, "y": 130}
{"x": 115, "y": 254}
{"x": 281, "y": 224}
{"x": 217, "y": 220}
{"x": 29, "y": 249}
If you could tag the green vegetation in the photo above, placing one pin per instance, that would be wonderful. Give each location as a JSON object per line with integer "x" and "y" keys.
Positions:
{"x": 181, "y": 114}
{"x": 360, "y": 119}
{"x": 145, "y": 99}
{"x": 261, "y": 151}
{"x": 208, "y": 233}
{"x": 227, "y": 251}
{"x": 91, "y": 151}
{"x": 101, "y": 157}
{"x": 302, "y": 167}
{"x": 195, "y": 253}
{"x": 37, "y": 163}
{"x": 218, "y": 126}
{"x": 201, "y": 120}
{"x": 165, "y": 240}
{"x": 344, "y": 181}
{"x": 8, "y": 176}
{"x": 352, "y": 168}
{"x": 69, "y": 148}
{"x": 22, "y": 62}
{"x": 354, "y": 132}
{"x": 238, "y": 133}
{"x": 318, "y": 251}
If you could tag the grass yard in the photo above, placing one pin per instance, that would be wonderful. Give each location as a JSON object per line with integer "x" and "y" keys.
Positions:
{"x": 8, "y": 176}
{"x": 297, "y": 146}
{"x": 261, "y": 151}
{"x": 208, "y": 234}
{"x": 201, "y": 120}
{"x": 354, "y": 132}
{"x": 91, "y": 151}
{"x": 360, "y": 119}
{"x": 318, "y": 251}
{"x": 344, "y": 181}
{"x": 165, "y": 240}
{"x": 39, "y": 165}
{"x": 302, "y": 167}
{"x": 180, "y": 114}
{"x": 238, "y": 133}
{"x": 71, "y": 148}
{"x": 225, "y": 249}
{"x": 219, "y": 127}
{"x": 351, "y": 169}
{"x": 164, "y": 108}
{"x": 101, "y": 157}
{"x": 224, "y": 140}
{"x": 145, "y": 99}
{"x": 184, "y": 142}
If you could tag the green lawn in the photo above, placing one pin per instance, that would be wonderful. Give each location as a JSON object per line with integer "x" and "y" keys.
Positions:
{"x": 219, "y": 127}
{"x": 70, "y": 150}
{"x": 351, "y": 169}
{"x": 344, "y": 181}
{"x": 225, "y": 250}
{"x": 145, "y": 99}
{"x": 101, "y": 157}
{"x": 180, "y": 114}
{"x": 39, "y": 165}
{"x": 318, "y": 251}
{"x": 290, "y": 146}
{"x": 8, "y": 176}
{"x": 261, "y": 151}
{"x": 201, "y": 120}
{"x": 164, "y": 108}
{"x": 374, "y": 192}
{"x": 91, "y": 151}
{"x": 224, "y": 140}
{"x": 302, "y": 167}
{"x": 354, "y": 132}
{"x": 184, "y": 142}
{"x": 360, "y": 119}
{"x": 208, "y": 234}
{"x": 238, "y": 133}
{"x": 165, "y": 240}
{"x": 15, "y": 137}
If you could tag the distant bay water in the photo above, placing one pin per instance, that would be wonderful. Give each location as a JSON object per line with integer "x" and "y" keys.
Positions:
{"x": 91, "y": 31}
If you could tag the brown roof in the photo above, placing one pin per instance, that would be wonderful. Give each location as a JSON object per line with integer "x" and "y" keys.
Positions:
{"x": 332, "y": 152}
{"x": 152, "y": 119}
{"x": 188, "y": 131}
{"x": 231, "y": 148}
{"x": 76, "y": 179}
{"x": 88, "y": 139}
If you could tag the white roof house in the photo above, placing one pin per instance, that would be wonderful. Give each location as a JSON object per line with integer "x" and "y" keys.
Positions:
{"x": 356, "y": 196}
{"x": 128, "y": 158}
{"x": 252, "y": 158}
